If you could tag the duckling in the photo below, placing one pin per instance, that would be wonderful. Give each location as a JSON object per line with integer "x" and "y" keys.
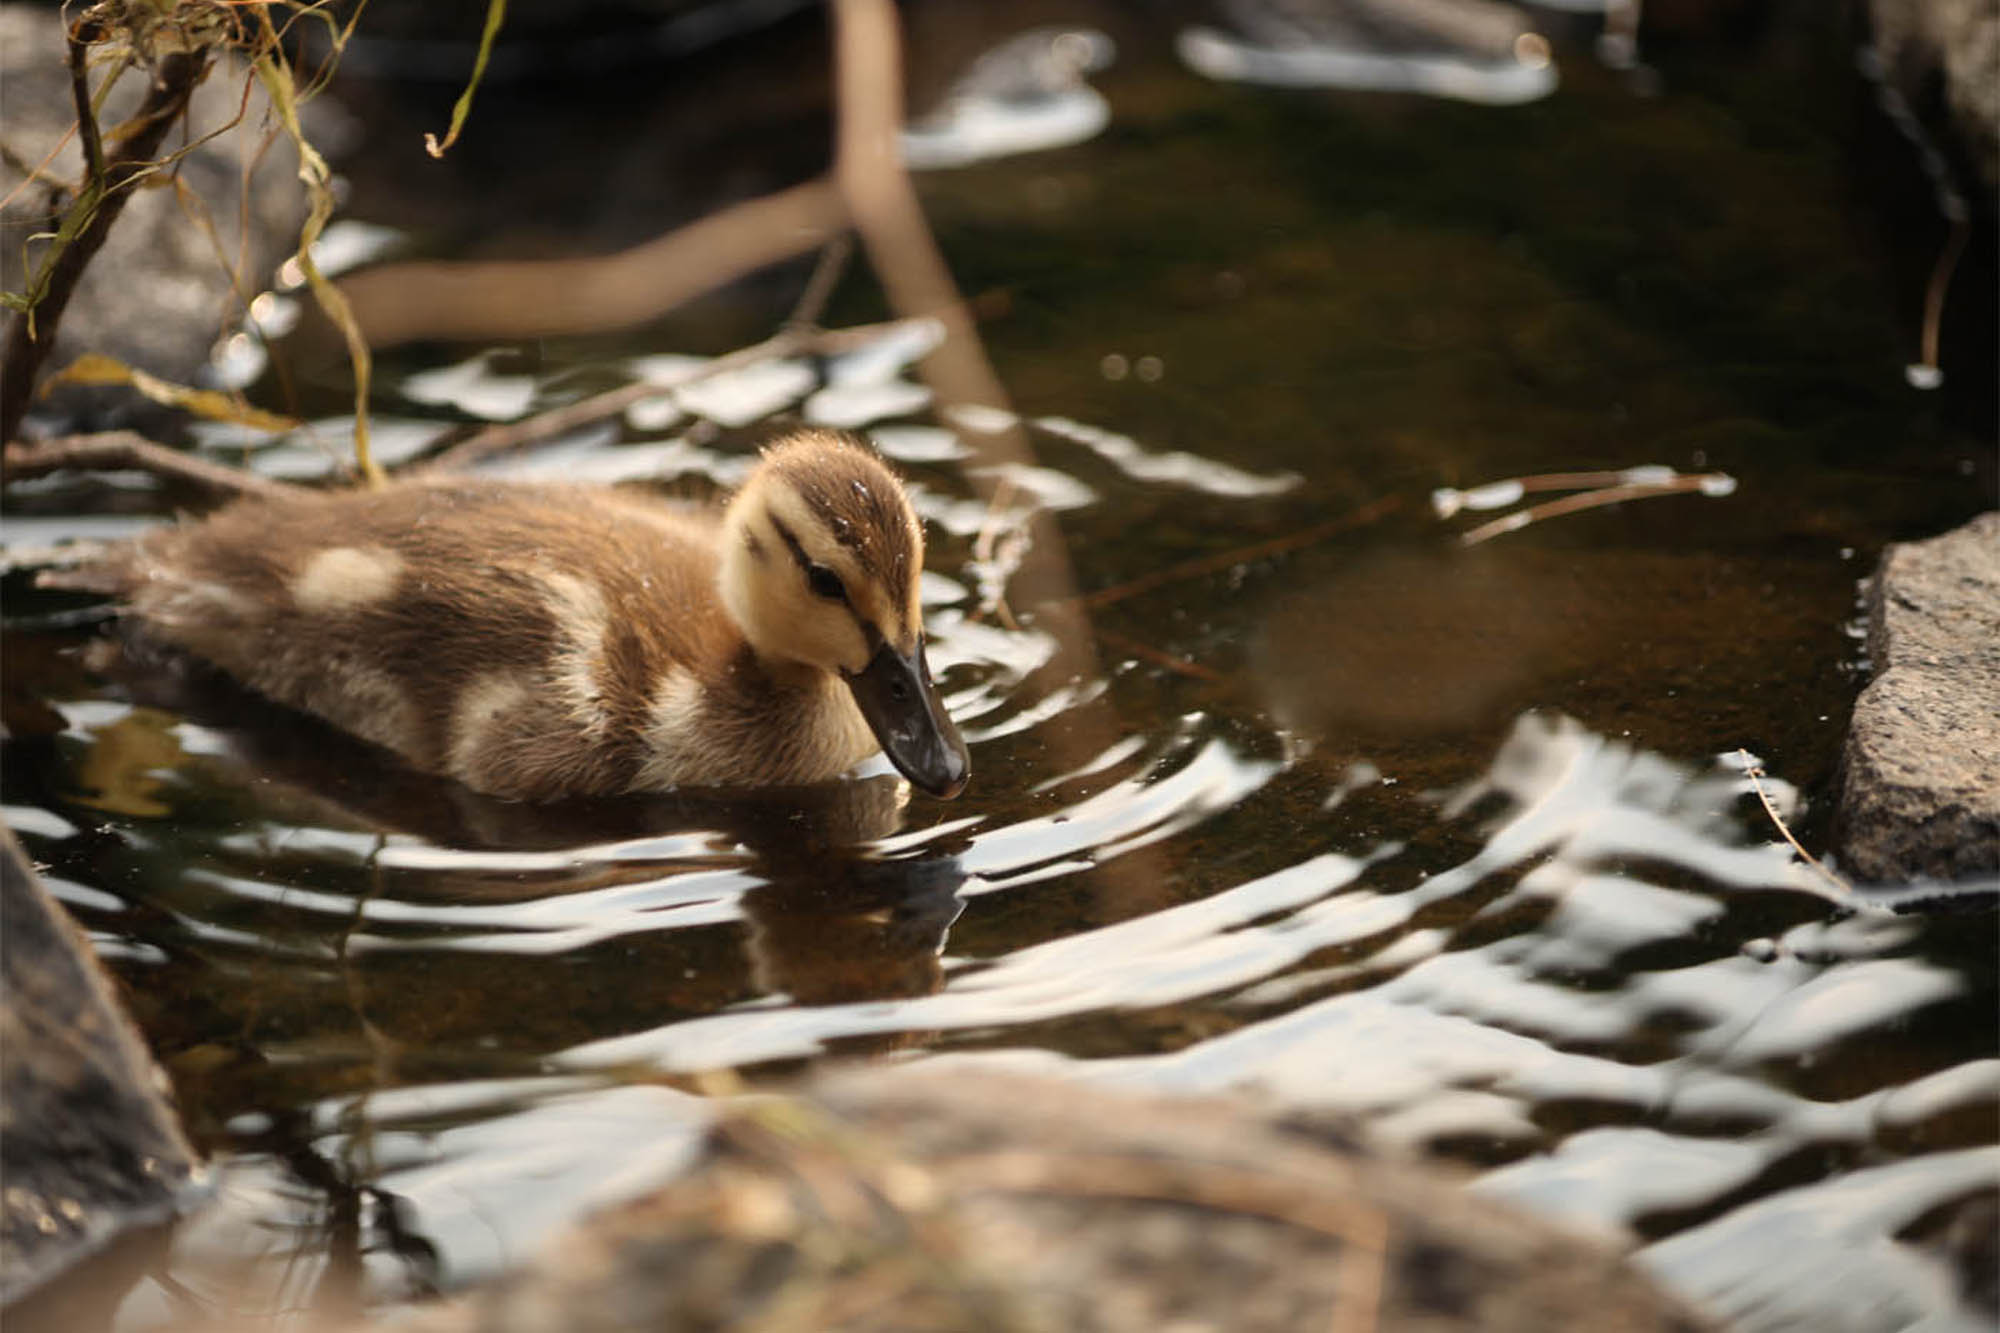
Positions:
{"x": 542, "y": 642}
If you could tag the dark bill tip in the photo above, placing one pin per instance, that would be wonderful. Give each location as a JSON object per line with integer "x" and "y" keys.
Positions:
{"x": 902, "y": 708}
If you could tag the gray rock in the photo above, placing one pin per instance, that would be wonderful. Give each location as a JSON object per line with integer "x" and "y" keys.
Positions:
{"x": 88, "y": 1144}
{"x": 911, "y": 1200}
{"x": 1921, "y": 773}
{"x": 158, "y": 294}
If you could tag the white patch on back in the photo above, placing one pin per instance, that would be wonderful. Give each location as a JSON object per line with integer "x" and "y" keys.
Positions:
{"x": 346, "y": 578}
{"x": 475, "y": 717}
{"x": 675, "y": 754}
{"x": 577, "y": 608}
{"x": 371, "y": 704}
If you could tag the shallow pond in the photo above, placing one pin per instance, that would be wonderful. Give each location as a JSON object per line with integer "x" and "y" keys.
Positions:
{"x": 1325, "y": 806}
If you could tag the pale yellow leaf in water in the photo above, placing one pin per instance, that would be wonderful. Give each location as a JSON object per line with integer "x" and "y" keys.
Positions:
{"x": 96, "y": 368}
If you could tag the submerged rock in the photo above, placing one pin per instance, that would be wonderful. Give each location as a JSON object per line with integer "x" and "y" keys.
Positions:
{"x": 88, "y": 1145}
{"x": 1920, "y": 791}
{"x": 907, "y": 1200}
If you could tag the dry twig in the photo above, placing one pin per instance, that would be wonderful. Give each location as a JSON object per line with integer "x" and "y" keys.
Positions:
{"x": 1180, "y": 666}
{"x": 1630, "y": 485}
{"x": 1940, "y": 283}
{"x": 1215, "y": 564}
{"x": 826, "y": 275}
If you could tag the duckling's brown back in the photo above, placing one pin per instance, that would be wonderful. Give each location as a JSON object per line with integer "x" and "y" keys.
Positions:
{"x": 509, "y": 636}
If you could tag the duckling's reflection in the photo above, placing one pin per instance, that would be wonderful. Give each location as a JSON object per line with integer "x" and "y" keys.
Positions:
{"x": 867, "y": 930}
{"x": 830, "y": 922}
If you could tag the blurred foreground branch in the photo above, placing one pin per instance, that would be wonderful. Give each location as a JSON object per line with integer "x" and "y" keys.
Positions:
{"x": 868, "y": 164}
{"x": 500, "y": 299}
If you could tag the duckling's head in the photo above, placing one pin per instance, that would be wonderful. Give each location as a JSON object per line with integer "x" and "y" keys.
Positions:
{"x": 821, "y": 557}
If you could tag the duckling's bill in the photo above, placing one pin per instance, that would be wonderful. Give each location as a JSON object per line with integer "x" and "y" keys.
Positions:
{"x": 901, "y": 706}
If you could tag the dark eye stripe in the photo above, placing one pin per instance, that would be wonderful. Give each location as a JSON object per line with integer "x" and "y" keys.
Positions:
{"x": 822, "y": 580}
{"x": 825, "y": 583}
{"x": 791, "y": 541}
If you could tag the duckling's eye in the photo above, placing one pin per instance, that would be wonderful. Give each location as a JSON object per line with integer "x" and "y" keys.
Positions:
{"x": 825, "y": 583}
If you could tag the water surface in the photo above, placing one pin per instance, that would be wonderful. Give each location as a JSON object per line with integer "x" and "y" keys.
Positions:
{"x": 1456, "y": 843}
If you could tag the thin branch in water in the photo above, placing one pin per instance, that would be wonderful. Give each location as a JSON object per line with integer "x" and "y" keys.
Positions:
{"x": 994, "y": 565}
{"x": 113, "y": 450}
{"x": 1755, "y": 771}
{"x": 1449, "y": 500}
{"x": 1705, "y": 483}
{"x": 1934, "y": 294}
{"x": 1215, "y": 564}
{"x": 508, "y": 436}
{"x": 1180, "y": 666}
{"x": 826, "y": 275}
{"x": 883, "y": 206}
